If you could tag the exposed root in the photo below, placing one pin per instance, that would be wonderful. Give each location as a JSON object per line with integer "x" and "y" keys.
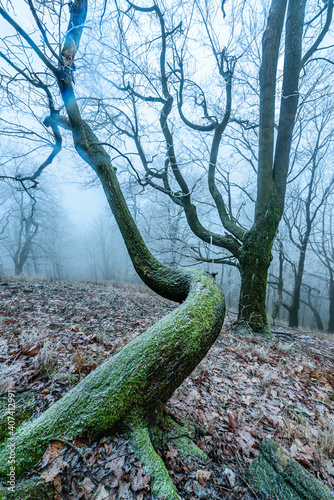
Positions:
{"x": 161, "y": 484}
{"x": 179, "y": 434}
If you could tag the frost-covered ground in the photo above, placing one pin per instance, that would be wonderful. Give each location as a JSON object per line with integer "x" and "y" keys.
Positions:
{"x": 53, "y": 333}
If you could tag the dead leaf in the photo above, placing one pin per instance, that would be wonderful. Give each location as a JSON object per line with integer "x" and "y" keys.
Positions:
{"x": 116, "y": 466}
{"x": 202, "y": 476}
{"x": 232, "y": 421}
{"x": 172, "y": 453}
{"x": 87, "y": 485}
{"x": 53, "y": 461}
{"x": 140, "y": 481}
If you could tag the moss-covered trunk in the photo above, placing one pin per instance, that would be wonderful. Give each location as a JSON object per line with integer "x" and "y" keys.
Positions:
{"x": 252, "y": 301}
{"x": 255, "y": 256}
{"x": 133, "y": 384}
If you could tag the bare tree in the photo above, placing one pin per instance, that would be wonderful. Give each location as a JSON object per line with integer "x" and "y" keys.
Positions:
{"x": 304, "y": 202}
{"x": 178, "y": 123}
{"x": 323, "y": 247}
{"x": 135, "y": 383}
{"x": 22, "y": 230}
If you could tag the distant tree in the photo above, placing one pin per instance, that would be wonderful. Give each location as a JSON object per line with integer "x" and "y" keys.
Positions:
{"x": 104, "y": 251}
{"x": 34, "y": 233}
{"x": 284, "y": 295}
{"x": 323, "y": 246}
{"x": 22, "y": 230}
{"x": 305, "y": 200}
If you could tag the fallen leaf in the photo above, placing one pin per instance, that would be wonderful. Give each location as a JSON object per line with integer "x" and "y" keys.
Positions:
{"x": 53, "y": 461}
{"x": 140, "y": 481}
{"x": 202, "y": 476}
{"x": 116, "y": 466}
{"x": 232, "y": 421}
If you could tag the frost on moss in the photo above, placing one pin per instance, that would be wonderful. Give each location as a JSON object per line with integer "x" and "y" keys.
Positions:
{"x": 278, "y": 475}
{"x": 32, "y": 489}
{"x": 20, "y": 407}
{"x": 180, "y": 436}
{"x": 143, "y": 375}
{"x": 161, "y": 484}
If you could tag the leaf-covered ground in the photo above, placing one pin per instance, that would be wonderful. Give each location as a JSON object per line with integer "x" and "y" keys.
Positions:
{"x": 53, "y": 333}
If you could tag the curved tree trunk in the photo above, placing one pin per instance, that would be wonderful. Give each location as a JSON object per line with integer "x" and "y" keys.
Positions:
{"x": 136, "y": 382}
{"x": 131, "y": 385}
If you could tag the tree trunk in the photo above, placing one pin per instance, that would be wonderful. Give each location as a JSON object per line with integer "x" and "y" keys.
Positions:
{"x": 133, "y": 384}
{"x": 252, "y": 300}
{"x": 18, "y": 268}
{"x": 294, "y": 309}
{"x": 331, "y": 304}
{"x": 255, "y": 257}
{"x": 318, "y": 319}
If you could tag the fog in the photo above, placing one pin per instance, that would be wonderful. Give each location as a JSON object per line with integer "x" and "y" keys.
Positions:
{"x": 61, "y": 227}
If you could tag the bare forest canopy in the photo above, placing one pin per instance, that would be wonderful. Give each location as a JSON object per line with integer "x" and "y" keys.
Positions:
{"x": 204, "y": 126}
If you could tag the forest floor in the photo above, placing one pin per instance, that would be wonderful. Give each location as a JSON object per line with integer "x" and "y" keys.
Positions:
{"x": 247, "y": 388}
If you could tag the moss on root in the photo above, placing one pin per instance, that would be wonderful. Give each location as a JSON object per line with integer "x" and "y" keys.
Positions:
{"x": 278, "y": 475}
{"x": 14, "y": 411}
{"x": 142, "y": 376}
{"x": 167, "y": 431}
{"x": 161, "y": 484}
{"x": 32, "y": 489}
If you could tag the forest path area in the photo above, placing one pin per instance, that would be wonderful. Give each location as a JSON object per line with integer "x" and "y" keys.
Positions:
{"x": 247, "y": 388}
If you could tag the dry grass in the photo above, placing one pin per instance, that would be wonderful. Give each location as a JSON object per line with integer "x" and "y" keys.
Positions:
{"x": 79, "y": 360}
{"x": 325, "y": 440}
{"x": 32, "y": 338}
{"x": 323, "y": 336}
{"x": 46, "y": 359}
{"x": 261, "y": 352}
{"x": 269, "y": 378}
{"x": 286, "y": 348}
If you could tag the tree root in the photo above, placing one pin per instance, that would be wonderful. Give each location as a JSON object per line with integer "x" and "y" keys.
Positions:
{"x": 161, "y": 484}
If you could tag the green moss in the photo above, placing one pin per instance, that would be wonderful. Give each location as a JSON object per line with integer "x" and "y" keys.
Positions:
{"x": 181, "y": 437}
{"x": 19, "y": 408}
{"x": 144, "y": 374}
{"x": 33, "y": 489}
{"x": 161, "y": 484}
{"x": 280, "y": 476}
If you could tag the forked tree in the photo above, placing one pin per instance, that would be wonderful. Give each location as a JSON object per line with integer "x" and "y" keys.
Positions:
{"x": 130, "y": 389}
{"x": 194, "y": 122}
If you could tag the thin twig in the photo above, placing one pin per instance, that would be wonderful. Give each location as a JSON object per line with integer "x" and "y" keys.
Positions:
{"x": 71, "y": 445}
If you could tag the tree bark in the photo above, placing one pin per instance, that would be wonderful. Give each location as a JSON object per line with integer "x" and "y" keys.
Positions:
{"x": 133, "y": 384}
{"x": 255, "y": 256}
{"x": 331, "y": 303}
{"x": 254, "y": 264}
{"x": 294, "y": 309}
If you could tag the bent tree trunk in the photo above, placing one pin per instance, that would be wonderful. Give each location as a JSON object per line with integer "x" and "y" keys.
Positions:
{"x": 133, "y": 385}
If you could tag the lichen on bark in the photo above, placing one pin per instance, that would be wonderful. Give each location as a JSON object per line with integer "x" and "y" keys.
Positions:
{"x": 278, "y": 475}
